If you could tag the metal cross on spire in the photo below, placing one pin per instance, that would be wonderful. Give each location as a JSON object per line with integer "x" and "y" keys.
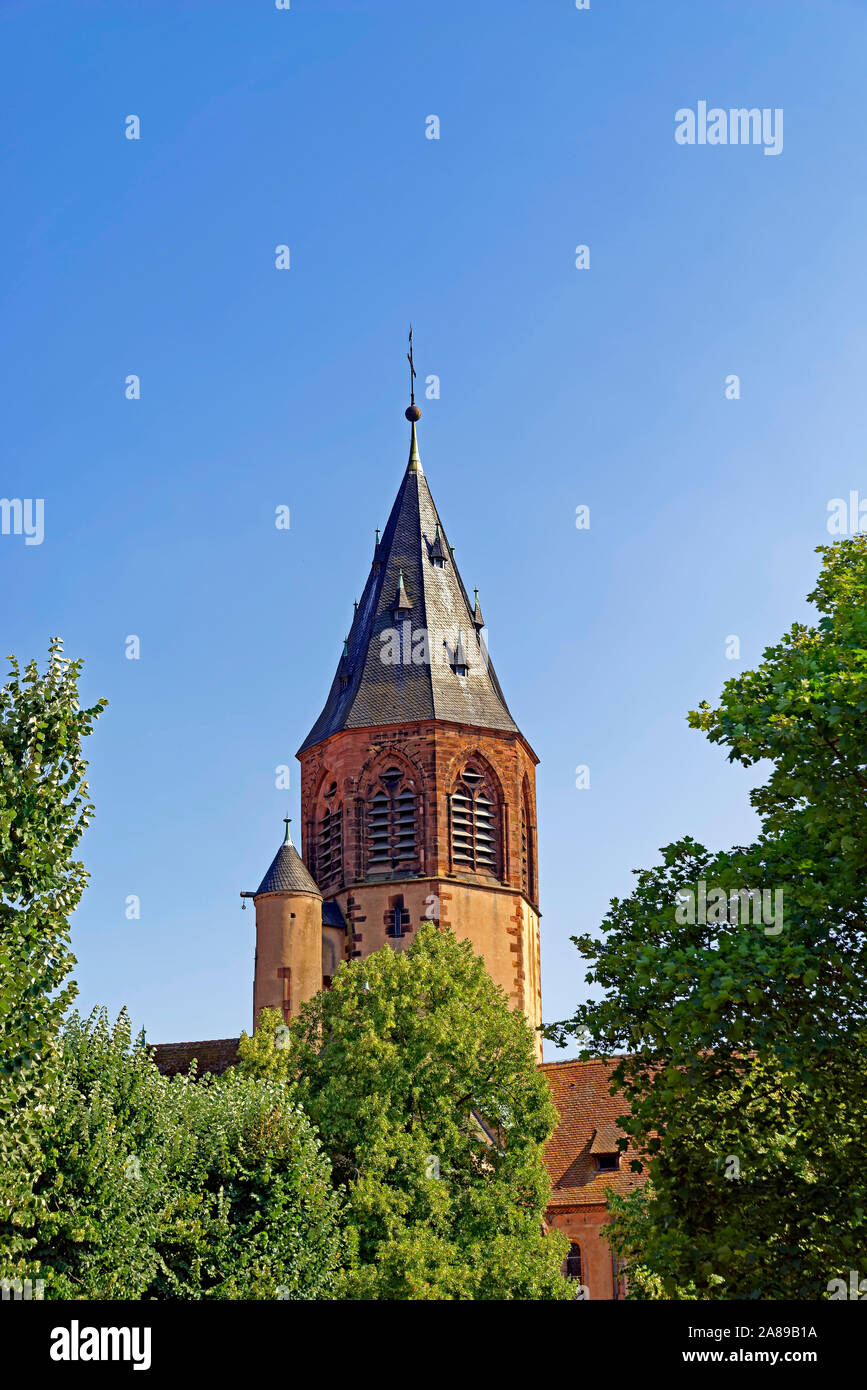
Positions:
{"x": 412, "y": 372}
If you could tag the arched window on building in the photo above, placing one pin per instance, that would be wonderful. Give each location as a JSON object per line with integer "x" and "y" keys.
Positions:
{"x": 392, "y": 832}
{"x": 573, "y": 1262}
{"x": 474, "y": 824}
{"x": 329, "y": 839}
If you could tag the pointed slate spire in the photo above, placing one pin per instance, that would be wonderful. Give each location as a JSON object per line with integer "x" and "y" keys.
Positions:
{"x": 478, "y": 620}
{"x": 288, "y": 873}
{"x": 368, "y": 691}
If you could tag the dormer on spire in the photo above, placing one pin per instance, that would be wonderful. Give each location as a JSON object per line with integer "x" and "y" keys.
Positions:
{"x": 459, "y": 663}
{"x": 343, "y": 670}
{"x": 403, "y": 603}
{"x": 438, "y": 551}
{"x": 478, "y": 620}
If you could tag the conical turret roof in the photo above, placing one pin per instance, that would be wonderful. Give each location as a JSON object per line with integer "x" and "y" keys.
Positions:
{"x": 288, "y": 873}
{"x": 422, "y": 683}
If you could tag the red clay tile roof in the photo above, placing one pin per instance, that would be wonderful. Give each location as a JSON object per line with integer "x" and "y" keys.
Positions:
{"x": 605, "y": 1139}
{"x": 588, "y": 1112}
{"x": 214, "y": 1054}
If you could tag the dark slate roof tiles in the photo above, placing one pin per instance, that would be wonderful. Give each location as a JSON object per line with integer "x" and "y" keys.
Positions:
{"x": 288, "y": 874}
{"x": 377, "y": 692}
{"x": 332, "y": 916}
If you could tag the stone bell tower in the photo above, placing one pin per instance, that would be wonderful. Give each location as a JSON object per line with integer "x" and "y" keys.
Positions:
{"x": 418, "y": 795}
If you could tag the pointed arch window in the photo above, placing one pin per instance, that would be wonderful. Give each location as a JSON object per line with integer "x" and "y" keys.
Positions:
{"x": 474, "y": 824}
{"x": 392, "y": 830}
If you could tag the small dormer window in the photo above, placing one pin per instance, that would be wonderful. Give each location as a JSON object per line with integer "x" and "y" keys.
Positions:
{"x": 402, "y": 602}
{"x": 458, "y": 656}
{"x": 605, "y": 1148}
{"x": 438, "y": 551}
{"x": 607, "y": 1163}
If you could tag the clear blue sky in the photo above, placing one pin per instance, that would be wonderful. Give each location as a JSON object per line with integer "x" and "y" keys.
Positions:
{"x": 559, "y": 387}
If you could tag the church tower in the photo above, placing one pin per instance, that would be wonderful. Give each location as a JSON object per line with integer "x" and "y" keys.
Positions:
{"x": 418, "y": 795}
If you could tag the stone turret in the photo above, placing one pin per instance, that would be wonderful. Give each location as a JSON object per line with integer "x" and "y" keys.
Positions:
{"x": 289, "y": 928}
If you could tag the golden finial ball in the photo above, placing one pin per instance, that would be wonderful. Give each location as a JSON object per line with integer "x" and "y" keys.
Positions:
{"x": 413, "y": 413}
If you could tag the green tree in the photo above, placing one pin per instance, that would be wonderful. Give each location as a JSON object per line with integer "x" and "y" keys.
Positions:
{"x": 183, "y": 1189}
{"x": 115, "y": 1183}
{"x": 743, "y": 1038}
{"x": 422, "y": 1084}
{"x": 44, "y": 809}
{"x": 255, "y": 1215}
{"x": 109, "y": 1149}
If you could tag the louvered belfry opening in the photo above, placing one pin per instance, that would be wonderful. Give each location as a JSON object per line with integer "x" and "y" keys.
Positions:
{"x": 392, "y": 837}
{"x": 527, "y": 850}
{"x": 329, "y": 843}
{"x": 474, "y": 828}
